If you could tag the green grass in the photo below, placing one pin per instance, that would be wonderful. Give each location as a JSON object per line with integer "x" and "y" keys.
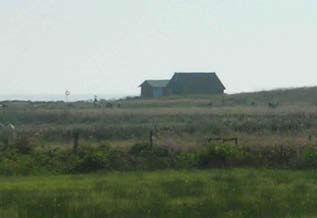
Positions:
{"x": 213, "y": 193}
{"x": 190, "y": 117}
{"x": 56, "y": 125}
{"x": 182, "y": 124}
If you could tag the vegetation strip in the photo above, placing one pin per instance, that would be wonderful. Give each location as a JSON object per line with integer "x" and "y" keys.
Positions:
{"x": 199, "y": 193}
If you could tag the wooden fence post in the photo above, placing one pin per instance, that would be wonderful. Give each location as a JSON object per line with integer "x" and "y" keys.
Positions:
{"x": 298, "y": 153}
{"x": 76, "y": 141}
{"x": 236, "y": 141}
{"x": 151, "y": 138}
{"x": 310, "y": 138}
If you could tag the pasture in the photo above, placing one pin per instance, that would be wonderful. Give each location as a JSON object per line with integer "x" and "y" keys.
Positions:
{"x": 205, "y": 193}
{"x": 167, "y": 157}
{"x": 175, "y": 131}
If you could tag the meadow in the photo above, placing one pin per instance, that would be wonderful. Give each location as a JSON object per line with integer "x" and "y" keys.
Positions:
{"x": 196, "y": 193}
{"x": 185, "y": 122}
{"x": 115, "y": 135}
{"x": 167, "y": 157}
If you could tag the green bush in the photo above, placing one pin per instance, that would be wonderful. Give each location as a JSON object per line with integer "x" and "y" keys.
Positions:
{"x": 24, "y": 145}
{"x": 13, "y": 163}
{"x": 221, "y": 155}
{"x": 94, "y": 158}
{"x": 186, "y": 160}
{"x": 21, "y": 161}
{"x": 310, "y": 158}
{"x": 145, "y": 156}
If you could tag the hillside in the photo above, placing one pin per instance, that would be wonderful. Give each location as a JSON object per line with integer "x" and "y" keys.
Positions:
{"x": 192, "y": 118}
{"x": 286, "y": 97}
{"x": 304, "y": 95}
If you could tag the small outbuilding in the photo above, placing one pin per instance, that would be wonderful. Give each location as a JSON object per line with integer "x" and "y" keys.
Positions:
{"x": 154, "y": 88}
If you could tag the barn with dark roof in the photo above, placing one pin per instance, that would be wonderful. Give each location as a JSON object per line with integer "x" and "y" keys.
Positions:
{"x": 183, "y": 84}
{"x": 195, "y": 83}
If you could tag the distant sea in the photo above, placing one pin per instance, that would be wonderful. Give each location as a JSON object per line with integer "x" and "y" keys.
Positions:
{"x": 71, "y": 98}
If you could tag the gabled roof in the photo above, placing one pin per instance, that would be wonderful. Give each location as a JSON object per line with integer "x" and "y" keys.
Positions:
{"x": 156, "y": 83}
{"x": 190, "y": 77}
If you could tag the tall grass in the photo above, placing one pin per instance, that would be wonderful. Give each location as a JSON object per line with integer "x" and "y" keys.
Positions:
{"x": 108, "y": 124}
{"x": 216, "y": 193}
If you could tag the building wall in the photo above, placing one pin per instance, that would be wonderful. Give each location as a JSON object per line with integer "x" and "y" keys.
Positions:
{"x": 187, "y": 88}
{"x": 158, "y": 92}
{"x": 150, "y": 92}
{"x": 146, "y": 91}
{"x": 166, "y": 91}
{"x": 183, "y": 86}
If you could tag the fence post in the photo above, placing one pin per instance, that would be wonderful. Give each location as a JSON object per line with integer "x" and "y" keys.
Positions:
{"x": 236, "y": 141}
{"x": 151, "y": 138}
{"x": 76, "y": 141}
{"x": 298, "y": 153}
{"x": 310, "y": 138}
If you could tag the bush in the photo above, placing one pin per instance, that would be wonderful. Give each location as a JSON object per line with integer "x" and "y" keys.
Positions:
{"x": 221, "y": 156}
{"x": 13, "y": 163}
{"x": 310, "y": 158}
{"x": 21, "y": 160}
{"x": 92, "y": 158}
{"x": 148, "y": 150}
{"x": 186, "y": 160}
{"x": 23, "y": 145}
{"x": 145, "y": 156}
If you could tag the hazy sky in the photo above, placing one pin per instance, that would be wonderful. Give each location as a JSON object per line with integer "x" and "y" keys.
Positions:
{"x": 111, "y": 46}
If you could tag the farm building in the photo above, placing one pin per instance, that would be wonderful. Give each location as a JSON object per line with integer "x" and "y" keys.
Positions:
{"x": 183, "y": 84}
{"x": 154, "y": 88}
{"x": 195, "y": 83}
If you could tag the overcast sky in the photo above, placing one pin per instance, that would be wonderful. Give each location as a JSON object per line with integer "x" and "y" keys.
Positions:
{"x": 111, "y": 46}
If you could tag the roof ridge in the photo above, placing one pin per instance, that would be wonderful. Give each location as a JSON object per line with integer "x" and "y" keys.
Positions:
{"x": 195, "y": 72}
{"x": 157, "y": 80}
{"x": 157, "y": 83}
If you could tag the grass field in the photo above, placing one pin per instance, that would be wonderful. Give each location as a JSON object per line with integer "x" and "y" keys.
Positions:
{"x": 126, "y": 126}
{"x": 209, "y": 193}
{"x": 283, "y": 136}
{"x": 261, "y": 176}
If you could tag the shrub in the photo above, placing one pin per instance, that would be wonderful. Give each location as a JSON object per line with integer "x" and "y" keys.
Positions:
{"x": 13, "y": 163}
{"x": 144, "y": 149}
{"x": 186, "y": 160}
{"x": 221, "y": 155}
{"x": 145, "y": 156}
{"x": 23, "y": 145}
{"x": 92, "y": 158}
{"x": 310, "y": 158}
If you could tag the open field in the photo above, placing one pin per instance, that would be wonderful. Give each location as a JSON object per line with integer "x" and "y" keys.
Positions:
{"x": 269, "y": 171}
{"x": 291, "y": 124}
{"x": 158, "y": 109}
{"x": 183, "y": 122}
{"x": 213, "y": 193}
{"x": 117, "y": 137}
